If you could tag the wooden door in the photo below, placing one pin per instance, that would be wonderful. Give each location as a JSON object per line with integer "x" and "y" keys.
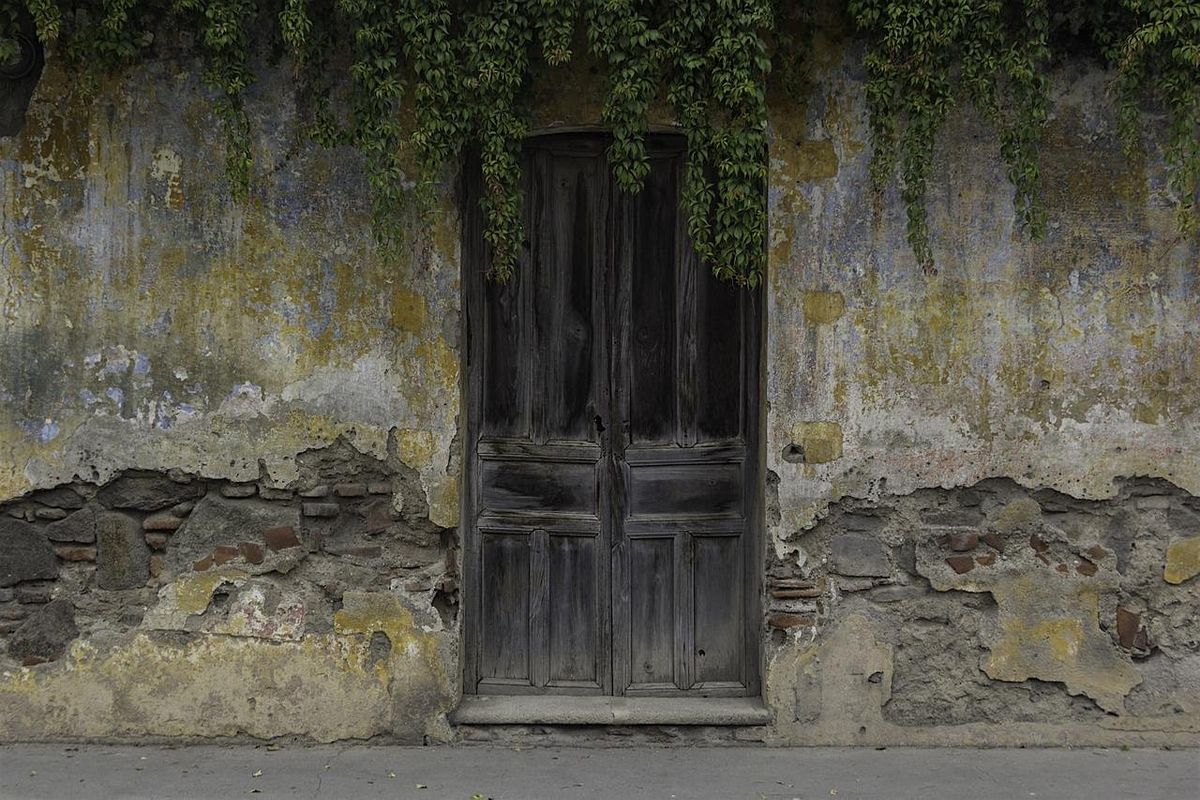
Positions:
{"x": 612, "y": 474}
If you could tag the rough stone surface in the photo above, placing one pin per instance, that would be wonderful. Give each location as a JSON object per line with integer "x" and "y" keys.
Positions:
{"x": 859, "y": 555}
{"x": 24, "y": 554}
{"x": 147, "y": 492}
{"x": 1183, "y": 560}
{"x": 218, "y": 520}
{"x": 45, "y": 634}
{"x": 122, "y": 556}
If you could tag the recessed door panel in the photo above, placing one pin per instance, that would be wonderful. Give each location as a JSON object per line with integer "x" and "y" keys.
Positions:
{"x": 612, "y": 466}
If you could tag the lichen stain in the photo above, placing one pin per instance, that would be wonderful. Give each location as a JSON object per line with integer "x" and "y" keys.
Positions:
{"x": 365, "y": 613}
{"x": 208, "y": 686}
{"x": 821, "y": 441}
{"x": 1183, "y": 560}
{"x": 1049, "y": 630}
{"x": 823, "y": 308}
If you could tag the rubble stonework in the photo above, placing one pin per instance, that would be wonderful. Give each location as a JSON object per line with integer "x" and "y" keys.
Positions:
{"x": 231, "y": 447}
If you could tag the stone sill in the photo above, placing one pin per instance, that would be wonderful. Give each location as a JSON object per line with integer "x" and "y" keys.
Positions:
{"x": 575, "y": 710}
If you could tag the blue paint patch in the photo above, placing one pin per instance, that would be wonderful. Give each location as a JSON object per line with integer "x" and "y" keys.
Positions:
{"x": 141, "y": 364}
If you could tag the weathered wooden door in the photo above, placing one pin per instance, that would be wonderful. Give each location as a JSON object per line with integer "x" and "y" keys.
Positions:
{"x": 612, "y": 476}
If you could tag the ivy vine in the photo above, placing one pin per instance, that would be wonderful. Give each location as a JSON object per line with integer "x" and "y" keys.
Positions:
{"x": 462, "y": 67}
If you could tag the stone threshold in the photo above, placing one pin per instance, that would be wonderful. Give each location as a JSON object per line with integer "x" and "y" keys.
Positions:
{"x": 593, "y": 710}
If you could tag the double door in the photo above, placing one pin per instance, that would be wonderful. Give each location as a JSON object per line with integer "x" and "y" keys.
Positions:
{"x": 612, "y": 481}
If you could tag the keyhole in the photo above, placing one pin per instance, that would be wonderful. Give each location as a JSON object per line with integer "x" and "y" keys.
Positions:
{"x": 701, "y": 654}
{"x": 599, "y": 424}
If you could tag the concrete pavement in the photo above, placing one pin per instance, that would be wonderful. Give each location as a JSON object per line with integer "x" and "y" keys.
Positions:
{"x": 462, "y": 772}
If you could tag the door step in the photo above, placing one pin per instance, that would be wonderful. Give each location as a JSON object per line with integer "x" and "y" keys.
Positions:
{"x": 572, "y": 710}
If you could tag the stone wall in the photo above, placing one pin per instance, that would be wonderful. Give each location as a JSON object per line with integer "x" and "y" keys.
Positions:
{"x": 229, "y": 449}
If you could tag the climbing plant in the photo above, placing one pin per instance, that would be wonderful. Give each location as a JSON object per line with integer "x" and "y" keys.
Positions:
{"x": 425, "y": 81}
{"x": 1161, "y": 57}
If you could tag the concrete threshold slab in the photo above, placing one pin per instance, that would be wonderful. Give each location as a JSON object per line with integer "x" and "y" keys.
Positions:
{"x": 573, "y": 710}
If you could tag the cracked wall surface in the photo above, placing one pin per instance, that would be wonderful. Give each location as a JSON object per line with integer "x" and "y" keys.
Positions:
{"x": 229, "y": 450}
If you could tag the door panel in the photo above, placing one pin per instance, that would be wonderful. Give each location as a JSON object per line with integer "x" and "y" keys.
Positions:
{"x": 612, "y": 427}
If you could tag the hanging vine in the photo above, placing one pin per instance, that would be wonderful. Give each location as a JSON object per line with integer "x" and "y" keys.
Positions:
{"x": 923, "y": 58}
{"x": 464, "y": 66}
{"x": 1162, "y": 58}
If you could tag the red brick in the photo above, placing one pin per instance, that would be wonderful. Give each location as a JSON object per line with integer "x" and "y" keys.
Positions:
{"x": 961, "y": 564}
{"x": 994, "y": 541}
{"x": 224, "y": 553}
{"x": 1085, "y": 567}
{"x": 962, "y": 541}
{"x": 161, "y": 522}
{"x": 251, "y": 552}
{"x": 1127, "y": 627}
{"x": 157, "y": 541}
{"x": 986, "y": 560}
{"x": 281, "y": 538}
{"x": 203, "y": 564}
{"x": 784, "y": 620}
{"x": 69, "y": 553}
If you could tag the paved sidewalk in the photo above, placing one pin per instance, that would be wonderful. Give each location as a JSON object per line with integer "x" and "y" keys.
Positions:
{"x": 432, "y": 773}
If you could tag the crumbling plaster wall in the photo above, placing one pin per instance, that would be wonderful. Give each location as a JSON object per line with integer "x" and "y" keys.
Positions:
{"x": 154, "y": 330}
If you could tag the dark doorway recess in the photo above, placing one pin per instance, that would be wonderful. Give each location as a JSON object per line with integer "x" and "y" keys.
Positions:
{"x": 613, "y": 501}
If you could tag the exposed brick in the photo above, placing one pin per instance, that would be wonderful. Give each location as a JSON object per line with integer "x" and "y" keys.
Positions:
{"x": 161, "y": 522}
{"x": 315, "y": 491}
{"x": 961, "y": 541}
{"x": 33, "y": 594}
{"x": 157, "y": 566}
{"x": 1096, "y": 553}
{"x": 986, "y": 560}
{"x": 6, "y": 595}
{"x": 1038, "y": 544}
{"x": 281, "y": 538}
{"x": 224, "y": 553}
{"x": 961, "y": 564}
{"x": 203, "y": 564}
{"x": 1063, "y": 568}
{"x": 69, "y": 552}
{"x": 783, "y": 620}
{"x": 272, "y": 493}
{"x": 361, "y": 551}
{"x": 13, "y": 612}
{"x": 239, "y": 490}
{"x": 792, "y": 583}
{"x": 252, "y": 553}
{"x": 1085, "y": 567}
{"x": 350, "y": 490}
{"x": 157, "y": 541}
{"x": 320, "y": 509}
{"x": 184, "y": 508}
{"x": 795, "y": 594}
{"x": 379, "y": 488}
{"x": 1127, "y": 627}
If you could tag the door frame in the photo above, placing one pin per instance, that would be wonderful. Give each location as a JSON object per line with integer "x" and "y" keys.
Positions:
{"x": 472, "y": 255}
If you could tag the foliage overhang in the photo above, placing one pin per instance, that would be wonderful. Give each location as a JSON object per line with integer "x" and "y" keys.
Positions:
{"x": 468, "y": 63}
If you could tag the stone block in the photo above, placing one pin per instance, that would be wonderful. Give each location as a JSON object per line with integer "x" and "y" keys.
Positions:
{"x": 59, "y": 497}
{"x": 350, "y": 490}
{"x": 147, "y": 492}
{"x": 79, "y": 527}
{"x": 316, "y": 492}
{"x": 49, "y": 514}
{"x": 45, "y": 634}
{"x": 272, "y": 493}
{"x": 239, "y": 490}
{"x": 122, "y": 555}
{"x": 783, "y": 621}
{"x": 25, "y": 555}
{"x": 961, "y": 564}
{"x": 859, "y": 555}
{"x": 218, "y": 520}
